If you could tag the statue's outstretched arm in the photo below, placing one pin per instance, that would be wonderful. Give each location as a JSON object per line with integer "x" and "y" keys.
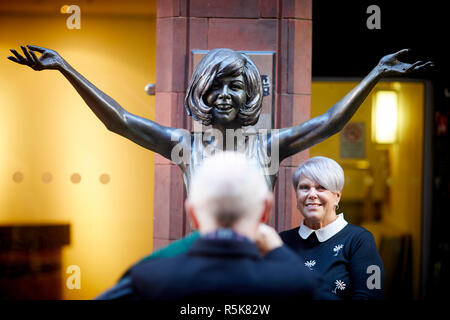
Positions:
{"x": 144, "y": 132}
{"x": 298, "y": 138}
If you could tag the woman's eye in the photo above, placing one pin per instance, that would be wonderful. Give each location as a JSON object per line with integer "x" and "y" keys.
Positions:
{"x": 321, "y": 188}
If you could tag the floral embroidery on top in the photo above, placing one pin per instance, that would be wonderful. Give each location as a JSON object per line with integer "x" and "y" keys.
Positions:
{"x": 310, "y": 264}
{"x": 337, "y": 249}
{"x": 339, "y": 285}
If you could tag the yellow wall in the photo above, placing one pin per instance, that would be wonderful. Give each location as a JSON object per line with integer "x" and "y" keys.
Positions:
{"x": 46, "y": 127}
{"x": 402, "y": 209}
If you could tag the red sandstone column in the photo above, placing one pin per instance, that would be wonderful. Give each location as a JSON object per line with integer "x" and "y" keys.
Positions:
{"x": 283, "y": 26}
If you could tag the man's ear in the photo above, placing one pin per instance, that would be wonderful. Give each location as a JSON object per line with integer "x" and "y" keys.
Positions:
{"x": 266, "y": 209}
{"x": 190, "y": 210}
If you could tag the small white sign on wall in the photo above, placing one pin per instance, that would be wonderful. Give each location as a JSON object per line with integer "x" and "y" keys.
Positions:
{"x": 352, "y": 140}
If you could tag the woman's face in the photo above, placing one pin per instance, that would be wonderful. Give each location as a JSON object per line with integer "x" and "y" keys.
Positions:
{"x": 316, "y": 203}
{"x": 226, "y": 95}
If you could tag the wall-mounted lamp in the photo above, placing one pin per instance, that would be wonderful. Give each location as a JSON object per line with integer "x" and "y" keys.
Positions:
{"x": 385, "y": 117}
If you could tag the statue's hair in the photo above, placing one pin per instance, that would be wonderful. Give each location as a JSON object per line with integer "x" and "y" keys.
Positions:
{"x": 228, "y": 188}
{"x": 325, "y": 171}
{"x": 219, "y": 63}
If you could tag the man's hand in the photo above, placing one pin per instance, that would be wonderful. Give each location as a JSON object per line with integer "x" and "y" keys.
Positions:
{"x": 267, "y": 239}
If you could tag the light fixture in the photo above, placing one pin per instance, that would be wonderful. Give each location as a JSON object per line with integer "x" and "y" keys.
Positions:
{"x": 385, "y": 117}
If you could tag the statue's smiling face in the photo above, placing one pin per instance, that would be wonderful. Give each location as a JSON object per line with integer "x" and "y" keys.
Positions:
{"x": 226, "y": 95}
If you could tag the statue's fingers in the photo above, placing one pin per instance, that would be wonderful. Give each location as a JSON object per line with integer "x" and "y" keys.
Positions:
{"x": 35, "y": 59}
{"x": 19, "y": 57}
{"x": 424, "y": 65}
{"x": 14, "y": 59}
{"x": 29, "y": 58}
{"x": 414, "y": 65}
{"x": 36, "y": 48}
{"x": 399, "y": 53}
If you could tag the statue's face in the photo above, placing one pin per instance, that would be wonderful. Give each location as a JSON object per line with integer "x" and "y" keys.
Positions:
{"x": 226, "y": 95}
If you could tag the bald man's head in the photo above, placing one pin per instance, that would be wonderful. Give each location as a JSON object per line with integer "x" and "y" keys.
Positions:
{"x": 228, "y": 189}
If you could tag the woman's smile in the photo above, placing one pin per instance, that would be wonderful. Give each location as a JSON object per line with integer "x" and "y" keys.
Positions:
{"x": 315, "y": 202}
{"x": 313, "y": 205}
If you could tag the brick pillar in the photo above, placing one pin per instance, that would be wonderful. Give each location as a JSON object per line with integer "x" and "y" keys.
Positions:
{"x": 283, "y": 26}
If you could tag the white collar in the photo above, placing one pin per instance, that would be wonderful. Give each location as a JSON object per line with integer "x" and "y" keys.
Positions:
{"x": 325, "y": 233}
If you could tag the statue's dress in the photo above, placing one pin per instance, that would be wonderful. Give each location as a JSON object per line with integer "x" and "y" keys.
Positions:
{"x": 254, "y": 146}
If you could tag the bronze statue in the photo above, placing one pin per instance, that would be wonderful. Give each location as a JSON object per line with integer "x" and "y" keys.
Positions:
{"x": 225, "y": 91}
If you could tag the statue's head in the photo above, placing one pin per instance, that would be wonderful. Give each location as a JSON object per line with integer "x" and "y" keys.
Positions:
{"x": 225, "y": 86}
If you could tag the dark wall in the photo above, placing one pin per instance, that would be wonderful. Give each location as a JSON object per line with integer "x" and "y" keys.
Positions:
{"x": 344, "y": 46}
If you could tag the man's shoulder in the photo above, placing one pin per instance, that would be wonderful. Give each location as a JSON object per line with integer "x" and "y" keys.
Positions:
{"x": 159, "y": 260}
{"x": 201, "y": 251}
{"x": 204, "y": 252}
{"x": 222, "y": 272}
{"x": 154, "y": 272}
{"x": 177, "y": 247}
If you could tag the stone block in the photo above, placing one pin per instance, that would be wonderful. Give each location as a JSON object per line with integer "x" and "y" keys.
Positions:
{"x": 168, "y": 204}
{"x": 299, "y": 57}
{"x": 283, "y": 54}
{"x": 160, "y": 243}
{"x": 268, "y": 8}
{"x": 198, "y": 34}
{"x": 170, "y": 54}
{"x": 177, "y": 197}
{"x": 162, "y": 201}
{"x": 167, "y": 8}
{"x": 243, "y": 34}
{"x": 224, "y": 9}
{"x": 297, "y": 9}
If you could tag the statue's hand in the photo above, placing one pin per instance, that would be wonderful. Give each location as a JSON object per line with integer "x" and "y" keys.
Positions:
{"x": 49, "y": 59}
{"x": 389, "y": 65}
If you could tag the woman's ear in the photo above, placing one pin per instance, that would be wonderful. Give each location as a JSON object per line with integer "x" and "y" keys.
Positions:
{"x": 338, "y": 196}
